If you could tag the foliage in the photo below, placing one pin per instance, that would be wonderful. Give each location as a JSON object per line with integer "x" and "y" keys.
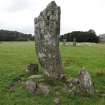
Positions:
{"x": 14, "y": 36}
{"x": 15, "y": 55}
{"x": 80, "y": 36}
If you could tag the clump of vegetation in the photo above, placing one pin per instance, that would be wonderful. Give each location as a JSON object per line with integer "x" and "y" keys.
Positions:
{"x": 100, "y": 73}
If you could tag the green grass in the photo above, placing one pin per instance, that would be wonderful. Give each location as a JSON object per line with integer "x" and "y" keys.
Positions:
{"x": 15, "y": 55}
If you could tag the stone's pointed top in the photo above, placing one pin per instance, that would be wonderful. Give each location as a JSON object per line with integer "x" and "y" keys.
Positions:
{"x": 52, "y": 4}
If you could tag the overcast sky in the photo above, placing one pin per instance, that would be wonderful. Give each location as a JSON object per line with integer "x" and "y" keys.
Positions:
{"x": 75, "y": 14}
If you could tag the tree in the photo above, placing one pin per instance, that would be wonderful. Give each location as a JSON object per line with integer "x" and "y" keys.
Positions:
{"x": 6, "y": 35}
{"x": 81, "y": 36}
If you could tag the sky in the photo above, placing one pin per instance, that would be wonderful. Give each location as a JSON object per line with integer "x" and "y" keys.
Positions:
{"x": 76, "y": 15}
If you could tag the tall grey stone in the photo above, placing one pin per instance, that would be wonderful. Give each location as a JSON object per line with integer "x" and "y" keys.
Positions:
{"x": 102, "y": 38}
{"x": 47, "y": 30}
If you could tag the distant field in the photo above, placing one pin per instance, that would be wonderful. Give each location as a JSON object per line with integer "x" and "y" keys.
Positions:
{"x": 15, "y": 55}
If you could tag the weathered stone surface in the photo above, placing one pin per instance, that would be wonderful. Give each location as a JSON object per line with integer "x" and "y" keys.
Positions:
{"x": 57, "y": 101}
{"x": 44, "y": 88}
{"x": 31, "y": 86}
{"x": 85, "y": 83}
{"x": 35, "y": 77}
{"x": 81, "y": 85}
{"x": 102, "y": 38}
{"x": 32, "y": 68}
{"x": 74, "y": 41}
{"x": 47, "y": 30}
{"x": 12, "y": 87}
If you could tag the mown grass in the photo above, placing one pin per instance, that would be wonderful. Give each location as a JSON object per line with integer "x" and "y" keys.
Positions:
{"x": 15, "y": 55}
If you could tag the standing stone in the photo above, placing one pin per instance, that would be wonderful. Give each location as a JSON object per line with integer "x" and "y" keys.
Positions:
{"x": 31, "y": 86}
{"x": 47, "y": 30}
{"x": 81, "y": 85}
{"x": 64, "y": 41}
{"x": 32, "y": 68}
{"x": 85, "y": 83}
{"x": 74, "y": 42}
{"x": 102, "y": 38}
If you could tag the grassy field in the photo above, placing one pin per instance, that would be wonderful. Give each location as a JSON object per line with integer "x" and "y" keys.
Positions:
{"x": 15, "y": 55}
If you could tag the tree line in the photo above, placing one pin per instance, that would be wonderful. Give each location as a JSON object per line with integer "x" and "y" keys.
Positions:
{"x": 6, "y": 35}
{"x": 80, "y": 36}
